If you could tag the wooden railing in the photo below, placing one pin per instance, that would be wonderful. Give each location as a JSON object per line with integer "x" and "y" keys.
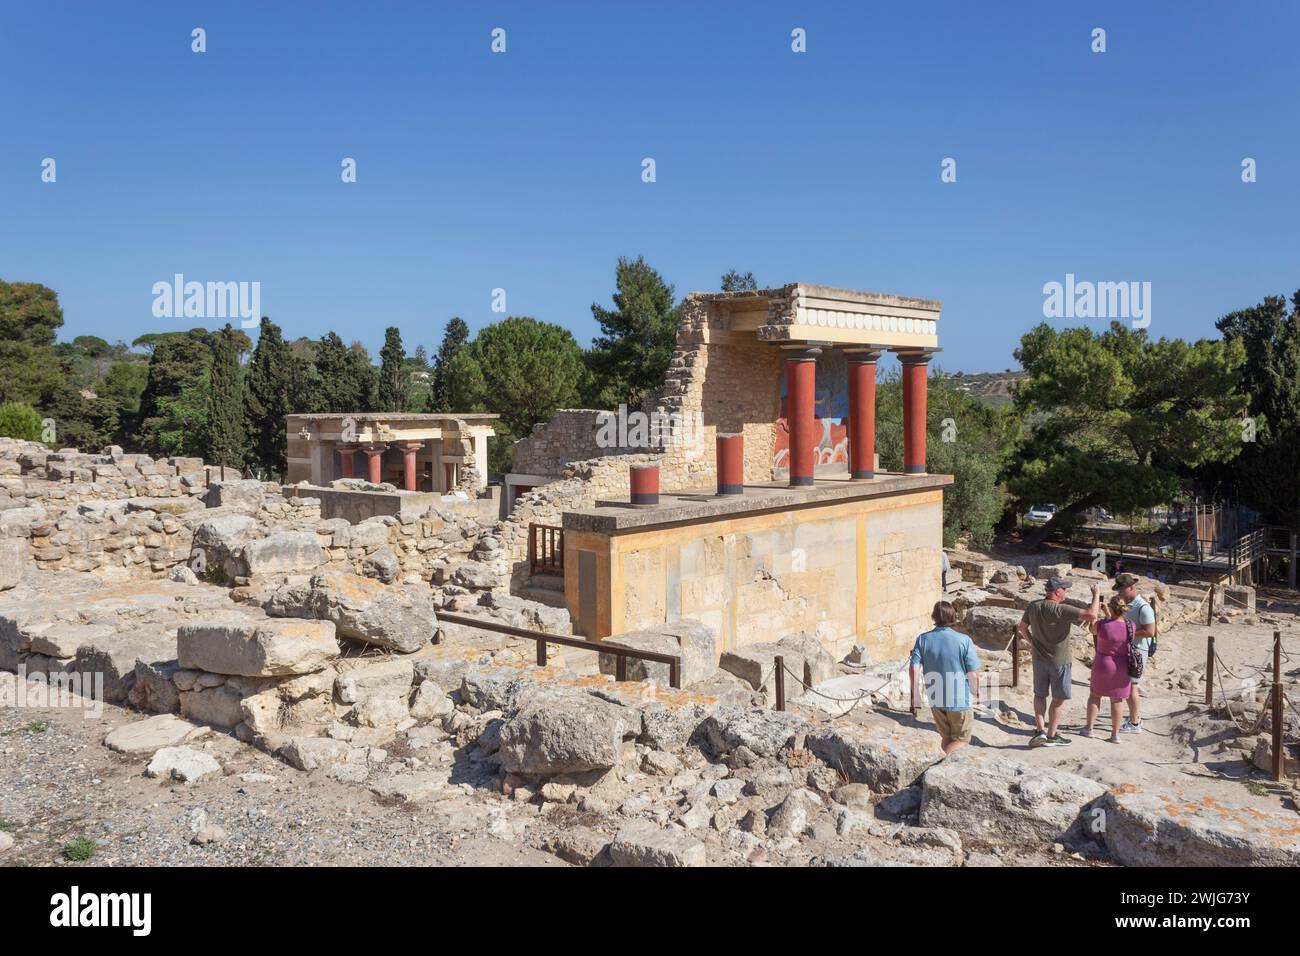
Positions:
{"x": 545, "y": 549}
{"x": 621, "y": 654}
{"x": 1202, "y": 553}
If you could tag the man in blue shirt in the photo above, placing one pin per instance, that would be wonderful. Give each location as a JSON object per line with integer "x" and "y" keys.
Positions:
{"x": 947, "y": 661}
{"x": 1143, "y": 617}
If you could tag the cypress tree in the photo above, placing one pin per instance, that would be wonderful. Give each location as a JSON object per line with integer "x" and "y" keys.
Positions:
{"x": 225, "y": 403}
{"x": 362, "y": 380}
{"x": 453, "y": 339}
{"x": 270, "y": 380}
{"x": 335, "y": 392}
{"x": 392, "y": 372}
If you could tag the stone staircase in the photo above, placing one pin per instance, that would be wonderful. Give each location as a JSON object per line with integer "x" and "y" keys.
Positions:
{"x": 545, "y": 589}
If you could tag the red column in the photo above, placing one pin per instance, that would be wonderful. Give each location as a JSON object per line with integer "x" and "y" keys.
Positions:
{"x": 374, "y": 454}
{"x": 409, "y": 451}
{"x": 862, "y": 412}
{"x": 800, "y": 397}
{"x": 644, "y": 482}
{"x": 731, "y": 464}
{"x": 345, "y": 459}
{"x": 916, "y": 367}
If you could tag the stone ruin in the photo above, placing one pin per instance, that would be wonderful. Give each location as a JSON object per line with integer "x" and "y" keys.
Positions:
{"x": 228, "y": 608}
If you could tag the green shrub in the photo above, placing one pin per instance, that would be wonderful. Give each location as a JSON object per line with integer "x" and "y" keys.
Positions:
{"x": 80, "y": 850}
{"x": 20, "y": 421}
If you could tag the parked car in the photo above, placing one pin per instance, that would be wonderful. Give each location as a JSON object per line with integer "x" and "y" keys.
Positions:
{"x": 1040, "y": 513}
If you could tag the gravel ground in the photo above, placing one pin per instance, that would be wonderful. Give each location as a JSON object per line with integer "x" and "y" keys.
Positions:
{"x": 58, "y": 783}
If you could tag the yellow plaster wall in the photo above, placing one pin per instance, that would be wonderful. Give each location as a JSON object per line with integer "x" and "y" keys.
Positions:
{"x": 864, "y": 570}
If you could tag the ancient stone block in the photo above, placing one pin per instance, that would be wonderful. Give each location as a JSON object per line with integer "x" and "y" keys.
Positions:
{"x": 257, "y": 648}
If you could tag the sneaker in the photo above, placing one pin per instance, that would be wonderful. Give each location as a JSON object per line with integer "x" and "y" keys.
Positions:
{"x": 1039, "y": 739}
{"x": 1113, "y": 740}
{"x": 1057, "y": 741}
{"x": 1128, "y": 728}
{"x": 1085, "y": 732}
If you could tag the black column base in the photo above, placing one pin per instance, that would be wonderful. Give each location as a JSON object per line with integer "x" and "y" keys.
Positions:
{"x": 861, "y": 475}
{"x": 914, "y": 470}
{"x": 800, "y": 481}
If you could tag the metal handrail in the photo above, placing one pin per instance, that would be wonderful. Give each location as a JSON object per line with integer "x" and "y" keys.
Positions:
{"x": 674, "y": 661}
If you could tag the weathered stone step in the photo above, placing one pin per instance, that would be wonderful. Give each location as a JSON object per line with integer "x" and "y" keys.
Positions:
{"x": 543, "y": 595}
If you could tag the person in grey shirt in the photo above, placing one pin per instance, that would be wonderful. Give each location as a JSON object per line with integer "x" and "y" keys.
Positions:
{"x": 1046, "y": 625}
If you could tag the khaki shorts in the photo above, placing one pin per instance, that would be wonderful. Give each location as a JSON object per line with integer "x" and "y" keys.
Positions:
{"x": 954, "y": 724}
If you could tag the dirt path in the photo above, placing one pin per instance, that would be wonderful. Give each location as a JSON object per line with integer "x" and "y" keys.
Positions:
{"x": 1180, "y": 742}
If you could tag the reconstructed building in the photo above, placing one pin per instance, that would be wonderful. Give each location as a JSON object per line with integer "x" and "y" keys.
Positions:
{"x": 794, "y": 527}
{"x": 414, "y": 451}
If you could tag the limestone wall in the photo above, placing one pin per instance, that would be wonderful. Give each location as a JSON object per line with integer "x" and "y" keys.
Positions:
{"x": 725, "y": 380}
{"x": 719, "y": 379}
{"x": 129, "y": 517}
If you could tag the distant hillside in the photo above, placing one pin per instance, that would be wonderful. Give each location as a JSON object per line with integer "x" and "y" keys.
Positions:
{"x": 992, "y": 388}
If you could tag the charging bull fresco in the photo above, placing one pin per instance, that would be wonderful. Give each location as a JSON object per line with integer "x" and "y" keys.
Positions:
{"x": 831, "y": 409}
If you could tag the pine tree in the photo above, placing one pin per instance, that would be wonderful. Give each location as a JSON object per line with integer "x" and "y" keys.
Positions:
{"x": 392, "y": 372}
{"x": 225, "y": 432}
{"x": 640, "y": 333}
{"x": 269, "y": 381}
{"x": 735, "y": 281}
{"x": 453, "y": 340}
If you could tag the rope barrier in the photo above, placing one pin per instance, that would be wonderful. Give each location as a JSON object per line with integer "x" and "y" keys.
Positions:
{"x": 1224, "y": 700}
{"x": 1227, "y": 705}
{"x": 854, "y": 701}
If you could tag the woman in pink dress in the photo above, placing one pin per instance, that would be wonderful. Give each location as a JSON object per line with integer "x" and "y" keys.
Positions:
{"x": 1111, "y": 637}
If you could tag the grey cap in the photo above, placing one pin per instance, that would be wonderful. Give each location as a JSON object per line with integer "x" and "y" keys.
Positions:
{"x": 1054, "y": 584}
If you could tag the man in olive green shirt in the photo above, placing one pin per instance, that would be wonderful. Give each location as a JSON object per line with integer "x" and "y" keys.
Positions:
{"x": 1046, "y": 623}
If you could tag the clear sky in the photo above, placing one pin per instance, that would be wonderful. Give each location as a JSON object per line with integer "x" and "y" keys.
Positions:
{"x": 522, "y": 170}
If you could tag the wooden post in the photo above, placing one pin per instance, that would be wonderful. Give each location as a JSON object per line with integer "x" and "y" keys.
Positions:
{"x": 1290, "y": 569}
{"x": 1278, "y": 716}
{"x": 1209, "y": 617}
{"x": 1209, "y": 670}
{"x": 1015, "y": 657}
{"x": 779, "y": 662}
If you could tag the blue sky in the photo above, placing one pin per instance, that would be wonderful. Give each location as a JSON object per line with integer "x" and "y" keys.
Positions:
{"x": 523, "y": 170}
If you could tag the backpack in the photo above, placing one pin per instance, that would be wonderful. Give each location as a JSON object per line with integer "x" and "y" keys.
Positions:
{"x": 1135, "y": 662}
